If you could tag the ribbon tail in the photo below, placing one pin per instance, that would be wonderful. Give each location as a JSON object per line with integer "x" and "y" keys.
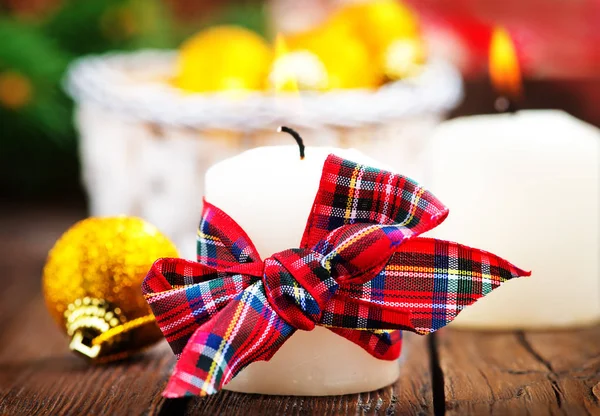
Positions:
{"x": 423, "y": 287}
{"x": 244, "y": 331}
{"x": 436, "y": 279}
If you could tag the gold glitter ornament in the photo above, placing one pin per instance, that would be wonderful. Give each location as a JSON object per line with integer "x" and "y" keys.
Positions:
{"x": 92, "y": 285}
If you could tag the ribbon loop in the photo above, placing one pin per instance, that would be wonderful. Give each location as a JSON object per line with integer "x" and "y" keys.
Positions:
{"x": 298, "y": 287}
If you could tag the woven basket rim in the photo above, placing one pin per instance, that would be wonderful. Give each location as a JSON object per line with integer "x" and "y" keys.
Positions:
{"x": 106, "y": 80}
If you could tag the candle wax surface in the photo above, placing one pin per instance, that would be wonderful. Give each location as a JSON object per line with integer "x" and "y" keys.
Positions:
{"x": 524, "y": 186}
{"x": 269, "y": 192}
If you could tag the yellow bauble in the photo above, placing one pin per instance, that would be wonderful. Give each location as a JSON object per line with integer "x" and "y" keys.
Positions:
{"x": 345, "y": 57}
{"x": 223, "y": 58}
{"x": 381, "y": 24}
{"x": 92, "y": 285}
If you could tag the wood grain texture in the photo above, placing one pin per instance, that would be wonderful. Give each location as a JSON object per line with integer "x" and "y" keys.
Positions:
{"x": 461, "y": 373}
{"x": 550, "y": 373}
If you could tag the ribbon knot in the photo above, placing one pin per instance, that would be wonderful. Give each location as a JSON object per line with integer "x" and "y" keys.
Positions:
{"x": 361, "y": 270}
{"x": 298, "y": 287}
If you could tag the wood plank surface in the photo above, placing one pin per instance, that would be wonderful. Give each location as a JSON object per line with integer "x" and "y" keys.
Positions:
{"x": 453, "y": 372}
{"x": 550, "y": 373}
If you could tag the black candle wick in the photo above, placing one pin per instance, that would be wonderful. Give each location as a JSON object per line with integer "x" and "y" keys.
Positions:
{"x": 296, "y": 137}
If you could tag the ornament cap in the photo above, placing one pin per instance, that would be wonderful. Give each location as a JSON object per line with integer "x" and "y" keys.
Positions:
{"x": 86, "y": 319}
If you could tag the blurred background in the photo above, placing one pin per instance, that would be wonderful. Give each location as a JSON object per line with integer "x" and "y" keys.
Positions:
{"x": 556, "y": 41}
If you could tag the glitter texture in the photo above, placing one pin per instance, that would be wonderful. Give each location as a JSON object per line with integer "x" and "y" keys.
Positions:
{"x": 106, "y": 258}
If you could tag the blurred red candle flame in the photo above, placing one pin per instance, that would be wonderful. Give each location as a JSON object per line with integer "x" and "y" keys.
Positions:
{"x": 504, "y": 69}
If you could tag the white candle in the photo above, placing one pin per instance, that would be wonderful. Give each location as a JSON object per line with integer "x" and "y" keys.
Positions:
{"x": 524, "y": 186}
{"x": 269, "y": 192}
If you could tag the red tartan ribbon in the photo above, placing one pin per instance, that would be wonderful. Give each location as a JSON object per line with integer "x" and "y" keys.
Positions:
{"x": 361, "y": 271}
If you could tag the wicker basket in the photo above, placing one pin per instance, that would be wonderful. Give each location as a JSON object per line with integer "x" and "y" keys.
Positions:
{"x": 146, "y": 145}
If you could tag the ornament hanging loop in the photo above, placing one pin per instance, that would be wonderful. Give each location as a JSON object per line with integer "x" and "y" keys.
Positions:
{"x": 81, "y": 344}
{"x": 123, "y": 329}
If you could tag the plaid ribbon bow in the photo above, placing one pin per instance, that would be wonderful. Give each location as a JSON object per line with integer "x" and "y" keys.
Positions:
{"x": 360, "y": 270}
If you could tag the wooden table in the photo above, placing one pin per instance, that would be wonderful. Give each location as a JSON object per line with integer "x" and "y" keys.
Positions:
{"x": 452, "y": 372}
